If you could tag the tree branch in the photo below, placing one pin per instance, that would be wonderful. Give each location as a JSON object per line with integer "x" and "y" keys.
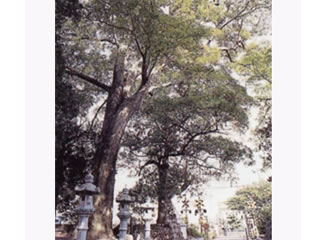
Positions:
{"x": 96, "y": 114}
{"x": 88, "y": 79}
{"x": 189, "y": 141}
{"x": 236, "y": 16}
{"x": 154, "y": 64}
{"x": 207, "y": 166}
{"x": 228, "y": 54}
{"x": 151, "y": 89}
{"x": 86, "y": 38}
{"x": 193, "y": 137}
{"x": 148, "y": 163}
{"x": 100, "y": 40}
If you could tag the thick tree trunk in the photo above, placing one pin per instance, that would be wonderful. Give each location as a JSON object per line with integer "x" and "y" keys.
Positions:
{"x": 162, "y": 210}
{"x": 101, "y": 225}
{"x": 119, "y": 111}
{"x": 164, "y": 203}
{"x": 165, "y": 207}
{"x": 166, "y": 214}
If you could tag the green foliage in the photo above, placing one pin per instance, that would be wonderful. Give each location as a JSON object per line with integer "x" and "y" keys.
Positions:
{"x": 222, "y": 104}
{"x": 255, "y": 201}
{"x": 184, "y": 133}
{"x": 256, "y": 66}
{"x": 233, "y": 222}
{"x": 165, "y": 33}
{"x": 142, "y": 27}
{"x": 192, "y": 231}
{"x": 74, "y": 143}
{"x": 68, "y": 107}
{"x": 209, "y": 56}
{"x": 180, "y": 42}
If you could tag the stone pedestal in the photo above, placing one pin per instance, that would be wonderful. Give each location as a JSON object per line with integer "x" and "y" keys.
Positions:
{"x": 147, "y": 228}
{"x": 183, "y": 227}
{"x": 148, "y": 215}
{"x": 82, "y": 227}
{"x": 124, "y": 216}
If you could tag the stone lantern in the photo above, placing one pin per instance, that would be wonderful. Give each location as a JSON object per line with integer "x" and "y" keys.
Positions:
{"x": 147, "y": 217}
{"x": 85, "y": 208}
{"x": 124, "y": 199}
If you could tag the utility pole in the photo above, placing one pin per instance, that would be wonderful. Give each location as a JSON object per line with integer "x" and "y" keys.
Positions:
{"x": 206, "y": 228}
{"x": 200, "y": 209}
{"x": 185, "y": 206}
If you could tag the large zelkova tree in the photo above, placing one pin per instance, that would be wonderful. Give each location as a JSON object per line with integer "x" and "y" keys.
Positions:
{"x": 182, "y": 141}
{"x": 256, "y": 202}
{"x": 117, "y": 50}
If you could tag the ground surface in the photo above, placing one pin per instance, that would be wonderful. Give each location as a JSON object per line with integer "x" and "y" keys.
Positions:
{"x": 229, "y": 236}
{"x": 233, "y": 236}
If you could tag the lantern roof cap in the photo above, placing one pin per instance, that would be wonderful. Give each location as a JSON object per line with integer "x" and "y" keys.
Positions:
{"x": 125, "y": 197}
{"x": 88, "y": 188}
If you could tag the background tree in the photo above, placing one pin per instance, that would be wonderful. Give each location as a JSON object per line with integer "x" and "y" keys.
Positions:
{"x": 192, "y": 231}
{"x": 116, "y": 51}
{"x": 72, "y": 140}
{"x": 255, "y": 201}
{"x": 256, "y": 66}
{"x": 178, "y": 141}
{"x": 233, "y": 222}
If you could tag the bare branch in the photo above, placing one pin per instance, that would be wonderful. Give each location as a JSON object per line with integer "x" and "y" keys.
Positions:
{"x": 88, "y": 79}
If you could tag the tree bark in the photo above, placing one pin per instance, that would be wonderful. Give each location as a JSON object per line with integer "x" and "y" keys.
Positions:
{"x": 119, "y": 111}
{"x": 163, "y": 199}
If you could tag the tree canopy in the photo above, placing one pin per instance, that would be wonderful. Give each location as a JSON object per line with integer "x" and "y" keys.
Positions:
{"x": 256, "y": 66}
{"x": 112, "y": 54}
{"x": 186, "y": 139}
{"x": 256, "y": 202}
